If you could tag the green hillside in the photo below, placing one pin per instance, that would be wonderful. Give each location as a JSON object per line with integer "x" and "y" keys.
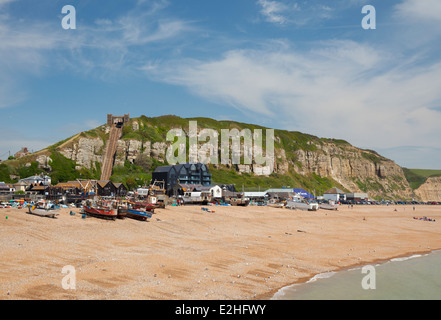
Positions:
{"x": 155, "y": 129}
{"x": 417, "y": 177}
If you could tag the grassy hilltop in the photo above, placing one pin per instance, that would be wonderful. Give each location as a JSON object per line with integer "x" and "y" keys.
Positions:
{"x": 289, "y": 146}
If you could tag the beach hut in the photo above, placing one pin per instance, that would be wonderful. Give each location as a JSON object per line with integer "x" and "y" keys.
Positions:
{"x": 106, "y": 188}
{"x": 121, "y": 190}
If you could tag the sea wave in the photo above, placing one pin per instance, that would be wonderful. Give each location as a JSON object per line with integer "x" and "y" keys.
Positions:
{"x": 406, "y": 258}
{"x": 289, "y": 289}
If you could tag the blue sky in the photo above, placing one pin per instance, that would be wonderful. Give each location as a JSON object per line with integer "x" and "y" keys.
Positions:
{"x": 307, "y": 66}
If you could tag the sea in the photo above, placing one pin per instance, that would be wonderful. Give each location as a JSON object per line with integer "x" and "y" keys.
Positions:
{"x": 417, "y": 277}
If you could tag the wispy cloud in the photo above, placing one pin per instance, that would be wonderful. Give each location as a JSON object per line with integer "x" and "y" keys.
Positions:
{"x": 276, "y": 11}
{"x": 104, "y": 48}
{"x": 4, "y": 2}
{"x": 301, "y": 13}
{"x": 335, "y": 89}
{"x": 425, "y": 11}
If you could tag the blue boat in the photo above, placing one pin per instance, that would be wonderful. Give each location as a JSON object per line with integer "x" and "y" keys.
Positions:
{"x": 137, "y": 214}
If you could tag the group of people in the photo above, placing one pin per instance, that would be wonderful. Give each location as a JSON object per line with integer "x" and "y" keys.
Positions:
{"x": 424, "y": 219}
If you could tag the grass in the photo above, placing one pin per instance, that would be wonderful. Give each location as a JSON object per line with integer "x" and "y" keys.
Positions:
{"x": 312, "y": 183}
{"x": 417, "y": 177}
{"x": 426, "y": 173}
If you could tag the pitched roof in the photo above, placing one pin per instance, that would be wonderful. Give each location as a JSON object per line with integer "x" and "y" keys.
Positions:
{"x": 163, "y": 169}
{"x": 334, "y": 191}
{"x": 102, "y": 184}
{"x": 67, "y": 185}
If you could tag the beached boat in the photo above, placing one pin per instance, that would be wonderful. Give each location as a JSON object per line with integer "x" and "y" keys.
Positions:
{"x": 44, "y": 209}
{"x": 329, "y": 205}
{"x": 121, "y": 212}
{"x": 138, "y": 210}
{"x": 102, "y": 210}
{"x": 242, "y": 202}
{"x": 138, "y": 214}
{"x": 150, "y": 207}
{"x": 302, "y": 205}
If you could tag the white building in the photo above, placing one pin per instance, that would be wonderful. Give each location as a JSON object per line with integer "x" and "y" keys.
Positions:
{"x": 255, "y": 195}
{"x": 40, "y": 179}
{"x": 334, "y": 194}
{"x": 216, "y": 191}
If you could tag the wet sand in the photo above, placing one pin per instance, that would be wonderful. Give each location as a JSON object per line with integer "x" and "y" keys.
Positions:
{"x": 187, "y": 253}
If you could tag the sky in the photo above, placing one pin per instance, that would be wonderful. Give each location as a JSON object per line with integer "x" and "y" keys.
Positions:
{"x": 306, "y": 66}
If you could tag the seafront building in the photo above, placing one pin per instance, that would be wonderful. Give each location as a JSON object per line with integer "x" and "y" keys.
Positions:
{"x": 185, "y": 174}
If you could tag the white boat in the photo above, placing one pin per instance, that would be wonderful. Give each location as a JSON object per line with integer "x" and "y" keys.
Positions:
{"x": 196, "y": 197}
{"x": 43, "y": 209}
{"x": 302, "y": 205}
{"x": 329, "y": 205}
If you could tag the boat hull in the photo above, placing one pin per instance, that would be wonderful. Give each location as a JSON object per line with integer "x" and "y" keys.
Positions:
{"x": 326, "y": 206}
{"x": 43, "y": 212}
{"x": 302, "y": 206}
{"x": 136, "y": 214}
{"x": 101, "y": 213}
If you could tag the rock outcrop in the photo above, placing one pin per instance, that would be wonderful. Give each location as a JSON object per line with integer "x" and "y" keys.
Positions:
{"x": 430, "y": 190}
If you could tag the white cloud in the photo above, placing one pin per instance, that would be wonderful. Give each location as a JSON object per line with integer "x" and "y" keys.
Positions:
{"x": 274, "y": 11}
{"x": 17, "y": 140}
{"x": 103, "y": 49}
{"x": 414, "y": 157}
{"x": 339, "y": 89}
{"x": 301, "y": 13}
{"x": 4, "y": 2}
{"x": 420, "y": 10}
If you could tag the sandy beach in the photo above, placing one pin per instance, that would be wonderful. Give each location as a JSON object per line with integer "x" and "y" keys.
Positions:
{"x": 187, "y": 253}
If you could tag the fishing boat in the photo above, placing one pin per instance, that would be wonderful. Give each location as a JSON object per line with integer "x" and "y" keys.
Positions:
{"x": 150, "y": 207}
{"x": 329, "y": 205}
{"x": 138, "y": 210}
{"x": 43, "y": 209}
{"x": 138, "y": 214}
{"x": 302, "y": 204}
{"x": 122, "y": 212}
{"x": 242, "y": 202}
{"x": 101, "y": 209}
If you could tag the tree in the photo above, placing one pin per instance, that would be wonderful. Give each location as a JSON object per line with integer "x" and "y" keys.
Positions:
{"x": 144, "y": 161}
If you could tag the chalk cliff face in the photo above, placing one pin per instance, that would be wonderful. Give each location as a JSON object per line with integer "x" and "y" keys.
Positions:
{"x": 354, "y": 169}
{"x": 430, "y": 190}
